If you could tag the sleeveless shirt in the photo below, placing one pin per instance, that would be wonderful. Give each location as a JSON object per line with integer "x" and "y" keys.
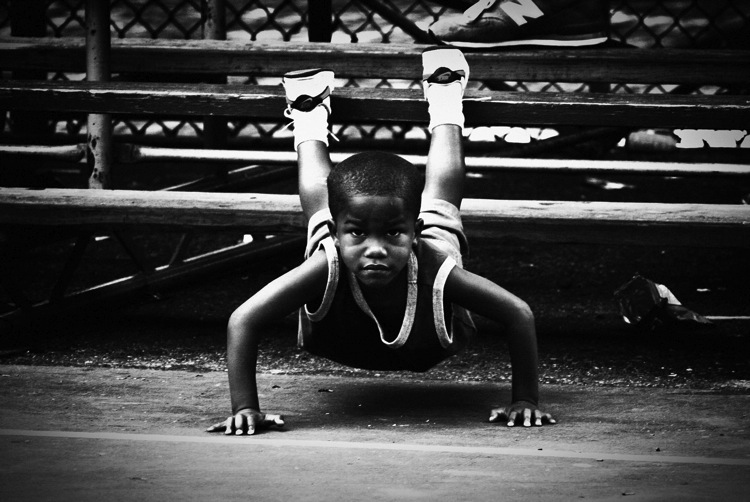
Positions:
{"x": 344, "y": 329}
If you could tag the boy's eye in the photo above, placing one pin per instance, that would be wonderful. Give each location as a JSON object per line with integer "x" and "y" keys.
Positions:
{"x": 356, "y": 232}
{"x": 395, "y": 232}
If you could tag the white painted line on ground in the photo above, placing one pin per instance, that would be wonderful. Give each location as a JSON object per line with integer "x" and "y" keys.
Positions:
{"x": 353, "y": 445}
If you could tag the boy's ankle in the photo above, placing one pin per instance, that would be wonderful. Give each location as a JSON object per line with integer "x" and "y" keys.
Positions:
{"x": 445, "y": 105}
{"x": 308, "y": 126}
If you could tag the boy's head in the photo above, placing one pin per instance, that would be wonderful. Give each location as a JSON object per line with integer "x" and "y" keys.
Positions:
{"x": 374, "y": 200}
{"x": 374, "y": 173}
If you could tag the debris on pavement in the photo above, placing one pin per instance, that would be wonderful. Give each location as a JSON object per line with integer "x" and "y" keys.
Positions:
{"x": 648, "y": 305}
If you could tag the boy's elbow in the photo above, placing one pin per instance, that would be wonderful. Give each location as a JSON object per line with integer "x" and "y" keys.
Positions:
{"x": 236, "y": 321}
{"x": 523, "y": 314}
{"x": 240, "y": 322}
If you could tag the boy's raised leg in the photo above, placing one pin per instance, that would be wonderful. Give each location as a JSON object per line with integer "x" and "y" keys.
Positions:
{"x": 314, "y": 165}
{"x": 309, "y": 106}
{"x": 445, "y": 73}
{"x": 445, "y": 171}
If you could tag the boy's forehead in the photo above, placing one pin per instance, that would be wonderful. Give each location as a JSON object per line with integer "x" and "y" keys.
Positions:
{"x": 375, "y": 206}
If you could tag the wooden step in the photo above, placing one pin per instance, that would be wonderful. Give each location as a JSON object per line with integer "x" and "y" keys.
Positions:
{"x": 132, "y": 153}
{"x": 559, "y": 221}
{"x": 371, "y": 105}
{"x": 400, "y": 61}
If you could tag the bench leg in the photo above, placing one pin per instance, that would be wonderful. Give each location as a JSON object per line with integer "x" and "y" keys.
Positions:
{"x": 99, "y": 126}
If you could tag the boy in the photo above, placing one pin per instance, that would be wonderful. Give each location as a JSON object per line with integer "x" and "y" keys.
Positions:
{"x": 382, "y": 285}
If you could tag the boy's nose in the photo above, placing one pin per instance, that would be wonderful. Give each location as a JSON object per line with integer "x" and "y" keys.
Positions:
{"x": 375, "y": 249}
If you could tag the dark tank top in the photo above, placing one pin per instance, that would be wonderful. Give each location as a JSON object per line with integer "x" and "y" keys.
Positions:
{"x": 344, "y": 330}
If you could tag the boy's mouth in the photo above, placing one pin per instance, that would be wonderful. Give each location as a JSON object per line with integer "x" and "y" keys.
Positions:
{"x": 375, "y": 270}
{"x": 376, "y": 266}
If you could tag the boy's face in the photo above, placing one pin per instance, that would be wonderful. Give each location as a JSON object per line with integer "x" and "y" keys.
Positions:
{"x": 375, "y": 235}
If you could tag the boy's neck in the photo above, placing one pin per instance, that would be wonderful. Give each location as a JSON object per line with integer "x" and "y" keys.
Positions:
{"x": 388, "y": 303}
{"x": 394, "y": 291}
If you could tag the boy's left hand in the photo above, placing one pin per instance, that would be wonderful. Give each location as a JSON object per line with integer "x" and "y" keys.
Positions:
{"x": 246, "y": 422}
{"x": 529, "y": 412}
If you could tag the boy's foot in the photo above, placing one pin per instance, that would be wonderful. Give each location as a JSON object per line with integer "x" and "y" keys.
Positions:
{"x": 506, "y": 23}
{"x": 306, "y": 89}
{"x": 308, "y": 98}
{"x": 445, "y": 73}
{"x": 443, "y": 66}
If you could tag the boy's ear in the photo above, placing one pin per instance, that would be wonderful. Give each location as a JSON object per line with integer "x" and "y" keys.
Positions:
{"x": 332, "y": 230}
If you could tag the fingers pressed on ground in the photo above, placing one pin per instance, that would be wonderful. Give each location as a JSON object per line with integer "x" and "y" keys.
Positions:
{"x": 277, "y": 420}
{"x": 240, "y": 423}
{"x": 229, "y": 427}
{"x": 217, "y": 427}
{"x": 512, "y": 418}
{"x": 527, "y": 417}
{"x": 498, "y": 414}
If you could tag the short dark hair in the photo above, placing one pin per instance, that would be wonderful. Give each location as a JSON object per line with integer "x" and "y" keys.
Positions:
{"x": 374, "y": 173}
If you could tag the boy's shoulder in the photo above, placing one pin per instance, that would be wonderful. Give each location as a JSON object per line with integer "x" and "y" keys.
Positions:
{"x": 457, "y": 282}
{"x": 430, "y": 255}
{"x": 316, "y": 265}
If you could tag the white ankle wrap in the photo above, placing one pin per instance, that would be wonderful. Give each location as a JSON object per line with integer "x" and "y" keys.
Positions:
{"x": 445, "y": 104}
{"x": 312, "y": 125}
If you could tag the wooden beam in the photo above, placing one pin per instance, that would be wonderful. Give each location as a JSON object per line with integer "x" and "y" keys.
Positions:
{"x": 68, "y": 153}
{"x": 137, "y": 153}
{"x": 559, "y": 221}
{"x": 618, "y": 223}
{"x": 131, "y": 153}
{"x": 403, "y": 61}
{"x": 363, "y": 105}
{"x": 161, "y": 208}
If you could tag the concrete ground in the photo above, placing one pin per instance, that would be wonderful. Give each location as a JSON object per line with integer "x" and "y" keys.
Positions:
{"x": 76, "y": 433}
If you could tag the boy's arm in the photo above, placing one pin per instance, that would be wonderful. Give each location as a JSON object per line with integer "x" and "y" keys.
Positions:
{"x": 486, "y": 298}
{"x": 276, "y": 300}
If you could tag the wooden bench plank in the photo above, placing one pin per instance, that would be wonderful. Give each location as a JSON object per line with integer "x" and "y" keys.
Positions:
{"x": 131, "y": 153}
{"x": 363, "y": 105}
{"x": 196, "y": 57}
{"x": 560, "y": 221}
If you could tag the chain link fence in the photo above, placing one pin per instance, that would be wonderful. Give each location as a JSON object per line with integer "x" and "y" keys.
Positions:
{"x": 638, "y": 23}
{"x": 641, "y": 23}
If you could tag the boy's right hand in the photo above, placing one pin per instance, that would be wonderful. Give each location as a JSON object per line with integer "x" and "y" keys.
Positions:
{"x": 247, "y": 421}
